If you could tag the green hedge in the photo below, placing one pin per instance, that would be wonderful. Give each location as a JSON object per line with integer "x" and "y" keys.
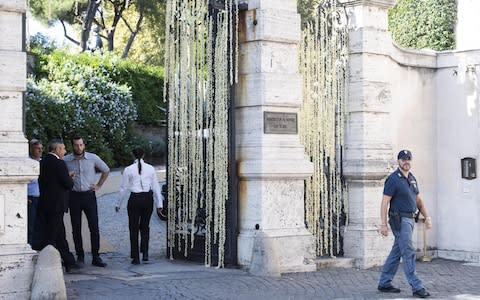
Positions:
{"x": 145, "y": 82}
{"x": 81, "y": 100}
{"x": 101, "y": 97}
{"x": 424, "y": 23}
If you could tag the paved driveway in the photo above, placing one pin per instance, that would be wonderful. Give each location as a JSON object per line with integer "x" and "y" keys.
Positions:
{"x": 162, "y": 278}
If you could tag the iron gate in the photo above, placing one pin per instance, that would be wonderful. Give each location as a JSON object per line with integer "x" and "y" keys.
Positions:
{"x": 200, "y": 68}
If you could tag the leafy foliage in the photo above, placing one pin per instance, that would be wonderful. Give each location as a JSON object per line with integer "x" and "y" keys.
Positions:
{"x": 308, "y": 10}
{"x": 149, "y": 43}
{"x": 79, "y": 99}
{"x": 104, "y": 18}
{"x": 97, "y": 96}
{"x": 145, "y": 82}
{"x": 424, "y": 23}
{"x": 49, "y": 11}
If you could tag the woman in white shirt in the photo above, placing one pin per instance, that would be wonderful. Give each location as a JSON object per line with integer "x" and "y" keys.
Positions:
{"x": 140, "y": 180}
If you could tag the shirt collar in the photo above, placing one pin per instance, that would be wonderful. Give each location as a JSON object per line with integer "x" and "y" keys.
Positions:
{"x": 86, "y": 155}
{"x": 54, "y": 154}
{"x": 400, "y": 174}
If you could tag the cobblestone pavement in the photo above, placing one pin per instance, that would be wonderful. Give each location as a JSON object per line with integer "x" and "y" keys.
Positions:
{"x": 161, "y": 278}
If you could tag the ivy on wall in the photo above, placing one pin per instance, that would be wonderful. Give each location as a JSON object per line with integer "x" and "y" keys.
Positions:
{"x": 423, "y": 23}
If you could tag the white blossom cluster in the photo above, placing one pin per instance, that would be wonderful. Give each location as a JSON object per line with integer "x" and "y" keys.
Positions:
{"x": 79, "y": 99}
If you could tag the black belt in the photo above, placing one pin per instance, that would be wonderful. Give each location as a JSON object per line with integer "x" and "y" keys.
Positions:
{"x": 33, "y": 197}
{"x": 141, "y": 193}
{"x": 86, "y": 192}
{"x": 403, "y": 214}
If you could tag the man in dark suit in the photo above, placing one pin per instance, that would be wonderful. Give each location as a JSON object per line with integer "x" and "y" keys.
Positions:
{"x": 55, "y": 183}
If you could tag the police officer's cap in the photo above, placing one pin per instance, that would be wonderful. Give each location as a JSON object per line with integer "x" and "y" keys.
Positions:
{"x": 405, "y": 155}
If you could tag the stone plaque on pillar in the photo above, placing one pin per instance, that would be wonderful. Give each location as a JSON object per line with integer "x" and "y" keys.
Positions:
{"x": 280, "y": 123}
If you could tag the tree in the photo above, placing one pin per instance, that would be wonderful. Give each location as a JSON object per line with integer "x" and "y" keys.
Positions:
{"x": 149, "y": 42}
{"x": 105, "y": 16}
{"x": 424, "y": 24}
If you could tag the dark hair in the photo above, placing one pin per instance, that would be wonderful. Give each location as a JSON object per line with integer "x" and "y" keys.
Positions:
{"x": 77, "y": 137}
{"x": 138, "y": 154}
{"x": 53, "y": 144}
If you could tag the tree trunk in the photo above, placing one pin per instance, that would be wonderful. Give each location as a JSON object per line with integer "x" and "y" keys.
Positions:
{"x": 116, "y": 18}
{"x": 133, "y": 34}
{"x": 88, "y": 21}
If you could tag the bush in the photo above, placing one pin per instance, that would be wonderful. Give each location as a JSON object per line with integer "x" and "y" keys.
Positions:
{"x": 145, "y": 82}
{"x": 79, "y": 99}
{"x": 424, "y": 23}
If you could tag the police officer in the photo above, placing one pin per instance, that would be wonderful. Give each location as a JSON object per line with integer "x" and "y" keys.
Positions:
{"x": 400, "y": 201}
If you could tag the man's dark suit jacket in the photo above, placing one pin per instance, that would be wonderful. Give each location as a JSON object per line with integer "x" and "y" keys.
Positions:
{"x": 55, "y": 184}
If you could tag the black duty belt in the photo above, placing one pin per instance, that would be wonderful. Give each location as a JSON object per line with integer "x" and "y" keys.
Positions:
{"x": 403, "y": 214}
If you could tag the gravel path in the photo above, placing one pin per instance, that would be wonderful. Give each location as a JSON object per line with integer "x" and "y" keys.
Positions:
{"x": 114, "y": 228}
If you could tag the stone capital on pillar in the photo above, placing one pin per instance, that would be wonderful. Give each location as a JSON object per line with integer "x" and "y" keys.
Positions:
{"x": 368, "y": 13}
{"x": 378, "y": 3}
{"x": 272, "y": 4}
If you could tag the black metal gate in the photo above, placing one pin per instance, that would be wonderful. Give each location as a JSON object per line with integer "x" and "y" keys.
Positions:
{"x": 201, "y": 168}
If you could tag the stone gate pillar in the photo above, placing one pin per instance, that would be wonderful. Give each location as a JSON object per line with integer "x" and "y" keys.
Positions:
{"x": 272, "y": 164}
{"x": 16, "y": 168}
{"x": 368, "y": 150}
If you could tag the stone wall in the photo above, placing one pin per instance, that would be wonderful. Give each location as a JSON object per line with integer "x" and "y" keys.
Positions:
{"x": 424, "y": 101}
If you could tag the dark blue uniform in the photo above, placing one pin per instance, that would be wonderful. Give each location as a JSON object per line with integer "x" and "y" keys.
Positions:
{"x": 404, "y": 194}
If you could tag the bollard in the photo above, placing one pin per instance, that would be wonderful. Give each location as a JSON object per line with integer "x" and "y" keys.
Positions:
{"x": 48, "y": 282}
{"x": 425, "y": 257}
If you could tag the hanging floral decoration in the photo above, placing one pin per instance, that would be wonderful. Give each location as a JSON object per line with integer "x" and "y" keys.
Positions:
{"x": 324, "y": 68}
{"x": 199, "y": 71}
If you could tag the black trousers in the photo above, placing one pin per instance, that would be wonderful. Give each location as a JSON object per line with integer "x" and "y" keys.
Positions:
{"x": 32, "y": 214}
{"x": 54, "y": 234}
{"x": 140, "y": 208}
{"x": 86, "y": 202}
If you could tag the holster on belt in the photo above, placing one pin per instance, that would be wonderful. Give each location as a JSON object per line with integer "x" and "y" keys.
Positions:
{"x": 395, "y": 220}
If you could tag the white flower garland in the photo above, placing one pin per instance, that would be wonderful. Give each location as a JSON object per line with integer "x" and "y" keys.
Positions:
{"x": 199, "y": 69}
{"x": 323, "y": 64}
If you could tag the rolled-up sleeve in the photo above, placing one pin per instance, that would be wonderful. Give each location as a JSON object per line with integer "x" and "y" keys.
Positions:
{"x": 156, "y": 190}
{"x": 124, "y": 188}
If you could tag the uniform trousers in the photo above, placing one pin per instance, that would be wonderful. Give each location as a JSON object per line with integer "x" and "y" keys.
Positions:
{"x": 402, "y": 248}
{"x": 140, "y": 208}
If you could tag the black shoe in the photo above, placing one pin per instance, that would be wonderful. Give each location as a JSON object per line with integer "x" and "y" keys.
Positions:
{"x": 135, "y": 261}
{"x": 80, "y": 260}
{"x": 98, "y": 262}
{"x": 388, "y": 289}
{"x": 72, "y": 268}
{"x": 145, "y": 257}
{"x": 421, "y": 293}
